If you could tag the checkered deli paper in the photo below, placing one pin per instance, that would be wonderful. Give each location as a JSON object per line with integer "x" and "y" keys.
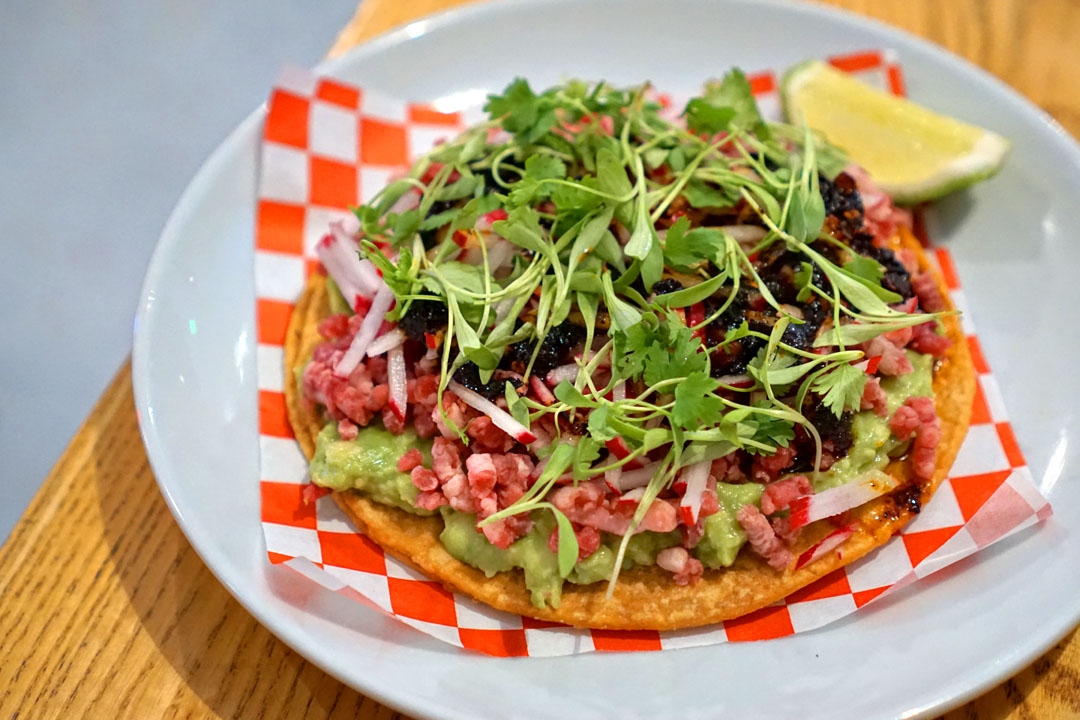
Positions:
{"x": 328, "y": 145}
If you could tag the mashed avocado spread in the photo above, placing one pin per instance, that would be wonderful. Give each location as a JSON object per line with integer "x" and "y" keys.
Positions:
{"x": 368, "y": 464}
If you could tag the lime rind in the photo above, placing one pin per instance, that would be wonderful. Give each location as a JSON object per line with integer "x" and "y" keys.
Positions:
{"x": 984, "y": 158}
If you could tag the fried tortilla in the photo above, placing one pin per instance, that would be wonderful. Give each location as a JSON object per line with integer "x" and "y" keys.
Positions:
{"x": 646, "y": 598}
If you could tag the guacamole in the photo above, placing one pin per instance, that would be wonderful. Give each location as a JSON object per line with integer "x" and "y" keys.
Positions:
{"x": 369, "y": 464}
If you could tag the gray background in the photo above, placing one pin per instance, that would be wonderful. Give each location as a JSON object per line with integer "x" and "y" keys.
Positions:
{"x": 107, "y": 109}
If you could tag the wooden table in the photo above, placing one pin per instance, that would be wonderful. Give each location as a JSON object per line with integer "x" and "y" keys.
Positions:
{"x": 106, "y": 611}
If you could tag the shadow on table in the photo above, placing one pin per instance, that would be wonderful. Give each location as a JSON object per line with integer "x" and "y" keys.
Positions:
{"x": 235, "y": 666}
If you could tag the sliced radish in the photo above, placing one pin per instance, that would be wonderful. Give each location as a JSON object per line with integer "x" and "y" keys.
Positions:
{"x": 908, "y": 306}
{"x": 409, "y": 199}
{"x": 739, "y": 381}
{"x": 744, "y": 234}
{"x": 380, "y": 305}
{"x": 618, "y": 447}
{"x": 631, "y": 497}
{"x": 363, "y": 304}
{"x": 350, "y": 224}
{"x": 563, "y": 372}
{"x": 793, "y": 311}
{"x": 366, "y": 275}
{"x": 500, "y": 255}
{"x": 834, "y": 501}
{"x": 618, "y": 392}
{"x": 370, "y": 275}
{"x": 586, "y": 357}
{"x": 343, "y": 267}
{"x": 503, "y": 308}
{"x": 696, "y": 476}
{"x": 869, "y": 365}
{"x": 387, "y": 341}
{"x": 502, "y": 419}
{"x": 611, "y": 479}
{"x": 543, "y": 394}
{"x": 395, "y": 373}
{"x": 825, "y": 545}
{"x": 486, "y": 221}
{"x": 631, "y": 479}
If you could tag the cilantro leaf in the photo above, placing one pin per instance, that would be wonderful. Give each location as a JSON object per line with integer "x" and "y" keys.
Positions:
{"x": 399, "y": 277}
{"x": 588, "y": 450}
{"x": 684, "y": 249}
{"x": 611, "y": 174}
{"x": 677, "y": 250}
{"x": 734, "y": 92}
{"x": 468, "y": 215}
{"x": 677, "y": 158}
{"x": 703, "y": 116}
{"x": 522, "y": 111}
{"x": 842, "y": 388}
{"x": 628, "y": 353}
{"x": 675, "y": 354}
{"x": 770, "y": 430}
{"x": 531, "y": 186}
{"x": 403, "y": 226}
{"x": 598, "y": 424}
{"x": 694, "y": 405}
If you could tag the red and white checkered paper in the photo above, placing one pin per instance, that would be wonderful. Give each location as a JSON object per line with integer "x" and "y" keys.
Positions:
{"x": 326, "y": 146}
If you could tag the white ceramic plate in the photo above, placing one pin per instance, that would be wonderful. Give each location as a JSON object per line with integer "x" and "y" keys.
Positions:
{"x": 917, "y": 653}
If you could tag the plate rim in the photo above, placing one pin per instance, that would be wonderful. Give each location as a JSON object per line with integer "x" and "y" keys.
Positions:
{"x": 438, "y": 22}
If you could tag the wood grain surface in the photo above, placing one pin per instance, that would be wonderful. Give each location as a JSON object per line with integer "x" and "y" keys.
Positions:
{"x": 107, "y": 612}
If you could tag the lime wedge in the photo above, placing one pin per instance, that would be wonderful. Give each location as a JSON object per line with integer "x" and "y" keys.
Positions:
{"x": 914, "y": 154}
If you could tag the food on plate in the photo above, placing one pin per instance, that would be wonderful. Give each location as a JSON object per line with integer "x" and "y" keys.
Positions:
{"x": 602, "y": 362}
{"x": 913, "y": 153}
